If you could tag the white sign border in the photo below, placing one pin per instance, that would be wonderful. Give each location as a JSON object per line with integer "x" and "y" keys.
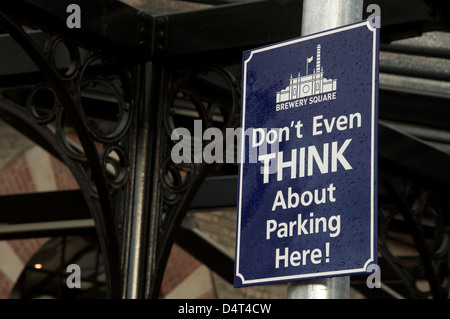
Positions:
{"x": 372, "y": 190}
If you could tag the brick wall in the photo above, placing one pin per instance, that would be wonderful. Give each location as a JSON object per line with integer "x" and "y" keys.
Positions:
{"x": 63, "y": 177}
{"x": 6, "y": 285}
{"x": 179, "y": 265}
{"x": 18, "y": 176}
{"x": 26, "y": 248}
{"x": 15, "y": 178}
{"x": 25, "y": 168}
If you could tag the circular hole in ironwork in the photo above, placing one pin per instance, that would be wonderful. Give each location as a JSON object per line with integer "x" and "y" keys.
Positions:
{"x": 186, "y": 108}
{"x": 422, "y": 285}
{"x": 111, "y": 169}
{"x": 398, "y": 243}
{"x": 433, "y": 225}
{"x": 65, "y": 56}
{"x": 68, "y": 137}
{"x": 41, "y": 103}
{"x": 187, "y": 112}
{"x": 116, "y": 165}
{"x": 175, "y": 177}
{"x": 219, "y": 96}
{"x": 443, "y": 275}
{"x": 100, "y": 105}
{"x": 198, "y": 101}
{"x": 105, "y": 111}
{"x": 420, "y": 280}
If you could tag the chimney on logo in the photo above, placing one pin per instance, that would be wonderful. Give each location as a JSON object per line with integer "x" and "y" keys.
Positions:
{"x": 318, "y": 59}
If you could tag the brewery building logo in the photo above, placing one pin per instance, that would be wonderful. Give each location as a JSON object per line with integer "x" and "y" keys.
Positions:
{"x": 308, "y": 89}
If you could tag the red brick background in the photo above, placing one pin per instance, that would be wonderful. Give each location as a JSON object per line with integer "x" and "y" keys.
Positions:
{"x": 179, "y": 266}
{"x": 6, "y": 285}
{"x": 15, "y": 178}
{"x": 26, "y": 248}
{"x": 63, "y": 177}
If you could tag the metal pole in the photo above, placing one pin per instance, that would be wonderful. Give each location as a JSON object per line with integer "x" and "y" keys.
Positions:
{"x": 136, "y": 243}
{"x": 321, "y": 288}
{"x": 320, "y": 15}
{"x": 135, "y": 246}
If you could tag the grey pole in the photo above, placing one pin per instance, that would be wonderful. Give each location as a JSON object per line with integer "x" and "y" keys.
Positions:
{"x": 320, "y": 15}
{"x": 321, "y": 288}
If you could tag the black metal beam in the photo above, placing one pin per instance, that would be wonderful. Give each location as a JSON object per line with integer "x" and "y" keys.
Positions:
{"x": 80, "y": 227}
{"x": 69, "y": 205}
{"x": 421, "y": 108}
{"x": 221, "y": 32}
{"x": 228, "y": 29}
{"x": 220, "y": 191}
{"x": 429, "y": 52}
{"x": 408, "y": 18}
{"x": 43, "y": 207}
{"x": 207, "y": 252}
{"x": 412, "y": 157}
{"x": 414, "y": 73}
{"x": 109, "y": 25}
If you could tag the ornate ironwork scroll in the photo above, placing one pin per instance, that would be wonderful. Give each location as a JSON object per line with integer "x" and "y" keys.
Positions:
{"x": 415, "y": 218}
{"x": 195, "y": 100}
{"x": 85, "y": 111}
{"x": 79, "y": 112}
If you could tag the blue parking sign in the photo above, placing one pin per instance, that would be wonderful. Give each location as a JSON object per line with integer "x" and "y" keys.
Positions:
{"x": 307, "y": 201}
